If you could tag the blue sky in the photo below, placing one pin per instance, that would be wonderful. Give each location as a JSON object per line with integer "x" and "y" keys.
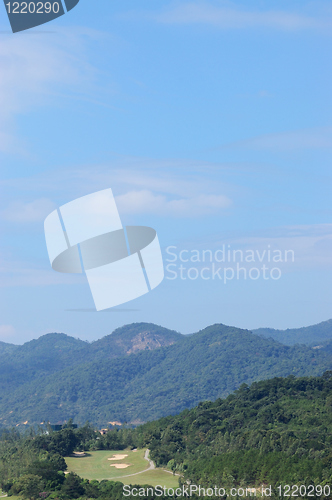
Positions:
{"x": 210, "y": 121}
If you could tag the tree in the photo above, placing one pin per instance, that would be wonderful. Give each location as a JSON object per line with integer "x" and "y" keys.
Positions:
{"x": 49, "y": 470}
{"x": 72, "y": 487}
{"x": 63, "y": 442}
{"x": 29, "y": 486}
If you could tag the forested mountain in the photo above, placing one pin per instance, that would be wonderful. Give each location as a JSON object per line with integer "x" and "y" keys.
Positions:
{"x": 133, "y": 338}
{"x": 326, "y": 346}
{"x": 7, "y": 348}
{"x": 309, "y": 335}
{"x": 277, "y": 431}
{"x": 274, "y": 433}
{"x": 54, "y": 352}
{"x": 140, "y": 386}
{"x": 49, "y": 354}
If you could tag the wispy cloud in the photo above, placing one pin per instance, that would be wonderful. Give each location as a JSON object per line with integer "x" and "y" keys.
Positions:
{"x": 34, "y": 211}
{"x": 15, "y": 272}
{"x": 33, "y": 71}
{"x": 318, "y": 138}
{"x": 138, "y": 187}
{"x": 6, "y": 331}
{"x": 311, "y": 245}
{"x": 231, "y": 16}
{"x": 144, "y": 201}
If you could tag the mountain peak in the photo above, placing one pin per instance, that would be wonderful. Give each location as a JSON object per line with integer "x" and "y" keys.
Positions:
{"x": 308, "y": 335}
{"x": 53, "y": 341}
{"x": 137, "y": 337}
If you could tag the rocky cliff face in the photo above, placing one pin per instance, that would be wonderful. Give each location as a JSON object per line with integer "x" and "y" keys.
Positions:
{"x": 147, "y": 341}
{"x": 133, "y": 338}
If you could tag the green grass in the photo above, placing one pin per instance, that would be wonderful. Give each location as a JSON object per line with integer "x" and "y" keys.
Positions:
{"x": 156, "y": 477}
{"x": 97, "y": 466}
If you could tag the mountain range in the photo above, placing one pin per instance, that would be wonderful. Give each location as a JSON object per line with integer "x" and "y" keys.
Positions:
{"x": 55, "y": 352}
{"x": 276, "y": 431}
{"x": 140, "y": 372}
{"x": 314, "y": 335}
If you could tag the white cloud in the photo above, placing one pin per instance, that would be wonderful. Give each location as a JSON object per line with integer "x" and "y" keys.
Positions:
{"x": 139, "y": 187}
{"x": 319, "y": 138}
{"x": 6, "y": 331}
{"x": 34, "y": 69}
{"x": 35, "y": 211}
{"x": 140, "y": 202}
{"x": 233, "y": 17}
{"x": 145, "y": 201}
{"x": 15, "y": 272}
{"x": 311, "y": 244}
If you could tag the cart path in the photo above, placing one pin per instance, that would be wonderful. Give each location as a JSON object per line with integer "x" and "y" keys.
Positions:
{"x": 151, "y": 466}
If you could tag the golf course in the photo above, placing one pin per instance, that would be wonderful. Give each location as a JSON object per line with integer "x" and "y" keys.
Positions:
{"x": 127, "y": 466}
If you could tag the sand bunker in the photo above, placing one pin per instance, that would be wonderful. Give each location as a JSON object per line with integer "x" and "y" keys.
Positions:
{"x": 78, "y": 454}
{"x": 117, "y": 457}
{"x": 120, "y": 466}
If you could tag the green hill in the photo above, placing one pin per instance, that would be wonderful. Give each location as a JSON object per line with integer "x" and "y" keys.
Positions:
{"x": 277, "y": 431}
{"x": 327, "y": 346}
{"x": 274, "y": 433}
{"x": 148, "y": 384}
{"x": 133, "y": 338}
{"x": 51, "y": 353}
{"x": 7, "y": 348}
{"x": 55, "y": 352}
{"x": 308, "y": 335}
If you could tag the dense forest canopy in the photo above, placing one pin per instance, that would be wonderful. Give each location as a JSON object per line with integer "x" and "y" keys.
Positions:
{"x": 314, "y": 335}
{"x": 142, "y": 373}
{"x": 275, "y": 432}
